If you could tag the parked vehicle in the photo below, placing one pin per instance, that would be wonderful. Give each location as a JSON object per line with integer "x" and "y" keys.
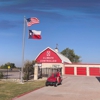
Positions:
{"x": 52, "y": 80}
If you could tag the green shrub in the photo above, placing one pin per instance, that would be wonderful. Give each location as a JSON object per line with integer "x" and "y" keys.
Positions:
{"x": 1, "y": 75}
{"x": 26, "y": 76}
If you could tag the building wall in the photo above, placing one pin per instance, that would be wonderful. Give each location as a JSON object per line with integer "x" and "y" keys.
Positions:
{"x": 94, "y": 67}
{"x": 48, "y": 56}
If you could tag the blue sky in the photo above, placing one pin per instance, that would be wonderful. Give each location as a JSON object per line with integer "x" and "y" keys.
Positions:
{"x": 69, "y": 23}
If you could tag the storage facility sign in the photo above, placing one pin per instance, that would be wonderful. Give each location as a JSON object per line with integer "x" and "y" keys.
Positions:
{"x": 48, "y": 56}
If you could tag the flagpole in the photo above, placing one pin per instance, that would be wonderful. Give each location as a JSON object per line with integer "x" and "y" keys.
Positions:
{"x": 23, "y": 46}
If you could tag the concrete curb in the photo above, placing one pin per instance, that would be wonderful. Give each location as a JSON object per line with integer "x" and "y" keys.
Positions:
{"x": 26, "y": 93}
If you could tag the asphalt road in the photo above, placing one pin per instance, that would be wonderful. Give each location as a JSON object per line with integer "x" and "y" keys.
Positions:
{"x": 72, "y": 88}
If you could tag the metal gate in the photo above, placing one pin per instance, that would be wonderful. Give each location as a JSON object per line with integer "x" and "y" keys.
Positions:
{"x": 46, "y": 72}
{"x": 10, "y": 73}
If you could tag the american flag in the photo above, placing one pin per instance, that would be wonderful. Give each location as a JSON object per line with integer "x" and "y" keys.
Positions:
{"x": 31, "y": 21}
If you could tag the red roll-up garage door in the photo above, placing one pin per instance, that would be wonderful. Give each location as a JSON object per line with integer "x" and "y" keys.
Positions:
{"x": 94, "y": 71}
{"x": 69, "y": 70}
{"x": 81, "y": 70}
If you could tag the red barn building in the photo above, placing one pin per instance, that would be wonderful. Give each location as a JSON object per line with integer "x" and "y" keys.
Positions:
{"x": 52, "y": 58}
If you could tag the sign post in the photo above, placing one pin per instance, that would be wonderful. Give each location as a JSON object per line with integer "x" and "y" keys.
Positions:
{"x": 7, "y": 70}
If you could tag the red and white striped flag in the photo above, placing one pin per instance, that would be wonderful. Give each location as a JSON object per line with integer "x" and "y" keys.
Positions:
{"x": 31, "y": 21}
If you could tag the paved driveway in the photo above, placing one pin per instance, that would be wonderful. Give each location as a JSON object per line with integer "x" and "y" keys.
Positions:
{"x": 72, "y": 88}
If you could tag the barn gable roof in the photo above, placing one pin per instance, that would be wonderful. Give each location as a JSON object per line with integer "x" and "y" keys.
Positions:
{"x": 62, "y": 57}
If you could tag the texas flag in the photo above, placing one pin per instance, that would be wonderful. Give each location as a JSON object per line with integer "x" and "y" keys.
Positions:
{"x": 33, "y": 34}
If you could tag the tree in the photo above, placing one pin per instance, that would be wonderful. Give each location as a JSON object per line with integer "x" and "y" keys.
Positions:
{"x": 28, "y": 69}
{"x": 5, "y": 66}
{"x": 69, "y": 53}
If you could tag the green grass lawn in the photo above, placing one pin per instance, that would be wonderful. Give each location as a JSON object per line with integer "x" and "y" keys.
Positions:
{"x": 9, "y": 90}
